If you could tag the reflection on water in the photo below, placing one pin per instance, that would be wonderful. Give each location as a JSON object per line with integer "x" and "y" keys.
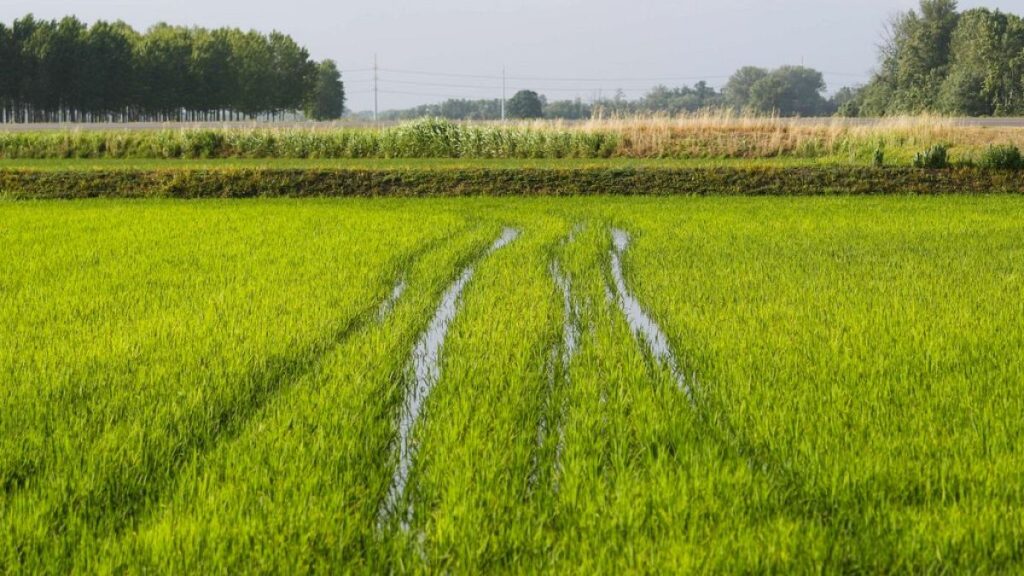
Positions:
{"x": 389, "y": 304}
{"x": 642, "y": 325}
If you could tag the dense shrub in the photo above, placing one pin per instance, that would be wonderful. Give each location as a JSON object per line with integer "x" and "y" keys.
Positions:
{"x": 934, "y": 158}
{"x": 1006, "y": 157}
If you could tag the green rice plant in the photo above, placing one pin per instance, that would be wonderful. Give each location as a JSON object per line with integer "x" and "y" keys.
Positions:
{"x": 341, "y": 412}
{"x": 219, "y": 316}
{"x": 216, "y": 386}
{"x": 845, "y": 365}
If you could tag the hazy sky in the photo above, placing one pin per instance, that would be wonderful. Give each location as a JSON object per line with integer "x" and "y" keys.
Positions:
{"x": 564, "y": 48}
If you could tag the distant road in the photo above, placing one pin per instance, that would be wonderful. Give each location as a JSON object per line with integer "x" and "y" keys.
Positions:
{"x": 138, "y": 126}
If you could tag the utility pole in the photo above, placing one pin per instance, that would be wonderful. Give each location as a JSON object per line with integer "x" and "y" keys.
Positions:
{"x": 503, "y": 86}
{"x": 375, "y": 88}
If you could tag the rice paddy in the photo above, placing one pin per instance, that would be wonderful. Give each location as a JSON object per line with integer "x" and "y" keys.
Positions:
{"x": 475, "y": 385}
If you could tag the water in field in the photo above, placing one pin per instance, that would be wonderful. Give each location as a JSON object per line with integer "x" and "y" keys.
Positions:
{"x": 389, "y": 304}
{"x": 570, "y": 342}
{"x": 640, "y": 323}
{"x": 426, "y": 370}
{"x": 570, "y": 327}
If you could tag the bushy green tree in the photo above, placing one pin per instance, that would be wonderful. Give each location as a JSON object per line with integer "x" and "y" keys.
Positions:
{"x": 327, "y": 98}
{"x": 525, "y": 104}
{"x": 680, "y": 100}
{"x": 790, "y": 91}
{"x": 212, "y": 70}
{"x": 109, "y": 68}
{"x": 984, "y": 76}
{"x": 568, "y": 110}
{"x": 292, "y": 74}
{"x": 938, "y": 60}
{"x": 737, "y": 90}
{"x": 846, "y": 102}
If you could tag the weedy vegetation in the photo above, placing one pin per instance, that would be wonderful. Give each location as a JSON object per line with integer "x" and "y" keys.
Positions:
{"x": 706, "y": 135}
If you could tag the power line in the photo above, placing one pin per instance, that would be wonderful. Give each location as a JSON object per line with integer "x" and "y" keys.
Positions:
{"x": 551, "y": 78}
{"x": 548, "y": 84}
{"x": 613, "y": 80}
{"x": 435, "y": 94}
{"x": 450, "y": 75}
{"x": 439, "y": 84}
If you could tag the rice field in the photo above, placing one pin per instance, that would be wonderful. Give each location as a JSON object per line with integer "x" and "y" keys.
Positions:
{"x": 477, "y": 385}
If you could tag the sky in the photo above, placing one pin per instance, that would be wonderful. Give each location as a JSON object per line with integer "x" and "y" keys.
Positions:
{"x": 429, "y": 50}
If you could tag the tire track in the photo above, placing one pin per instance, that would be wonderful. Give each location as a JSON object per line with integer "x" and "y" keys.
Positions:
{"x": 759, "y": 459}
{"x": 640, "y": 323}
{"x": 276, "y": 373}
{"x": 389, "y": 303}
{"x": 426, "y": 372}
{"x": 558, "y": 365}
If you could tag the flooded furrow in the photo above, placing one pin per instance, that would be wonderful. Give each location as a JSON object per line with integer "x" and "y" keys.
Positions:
{"x": 389, "y": 303}
{"x": 570, "y": 343}
{"x": 642, "y": 325}
{"x": 551, "y": 370}
{"x": 425, "y": 366}
{"x": 561, "y": 357}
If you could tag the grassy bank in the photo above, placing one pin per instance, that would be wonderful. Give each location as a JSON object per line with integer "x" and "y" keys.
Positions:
{"x": 431, "y": 179}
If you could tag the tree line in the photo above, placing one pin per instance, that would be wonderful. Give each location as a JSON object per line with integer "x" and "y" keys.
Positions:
{"x": 67, "y": 71}
{"x": 937, "y": 59}
{"x": 784, "y": 91}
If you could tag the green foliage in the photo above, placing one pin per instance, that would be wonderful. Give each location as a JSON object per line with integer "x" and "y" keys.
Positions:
{"x": 939, "y": 60}
{"x": 786, "y": 91}
{"x": 68, "y": 72}
{"x": 327, "y": 99}
{"x": 1004, "y": 157}
{"x": 934, "y": 158}
{"x": 847, "y": 102}
{"x": 524, "y": 105}
{"x": 568, "y": 110}
{"x": 878, "y": 159}
{"x": 738, "y": 90}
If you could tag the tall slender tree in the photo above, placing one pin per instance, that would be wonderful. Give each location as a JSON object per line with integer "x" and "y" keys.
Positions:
{"x": 327, "y": 98}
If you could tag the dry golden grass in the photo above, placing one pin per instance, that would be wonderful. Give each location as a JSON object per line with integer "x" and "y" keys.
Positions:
{"x": 727, "y": 134}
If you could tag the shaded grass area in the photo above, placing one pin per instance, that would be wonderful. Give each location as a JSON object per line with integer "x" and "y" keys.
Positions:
{"x": 854, "y": 360}
{"x": 458, "y": 179}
